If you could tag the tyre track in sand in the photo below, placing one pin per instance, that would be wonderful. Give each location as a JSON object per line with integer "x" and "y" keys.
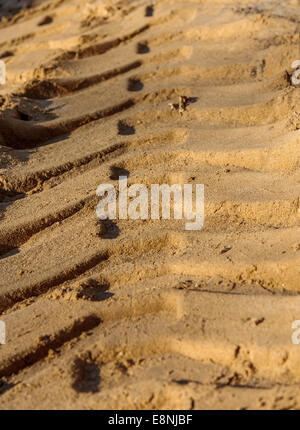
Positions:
{"x": 143, "y": 314}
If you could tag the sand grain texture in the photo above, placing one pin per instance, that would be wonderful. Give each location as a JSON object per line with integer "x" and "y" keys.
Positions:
{"x": 143, "y": 314}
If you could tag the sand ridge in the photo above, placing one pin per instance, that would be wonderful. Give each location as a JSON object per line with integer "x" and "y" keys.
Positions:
{"x": 143, "y": 314}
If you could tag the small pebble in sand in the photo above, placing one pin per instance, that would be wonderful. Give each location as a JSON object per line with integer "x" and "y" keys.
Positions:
{"x": 181, "y": 106}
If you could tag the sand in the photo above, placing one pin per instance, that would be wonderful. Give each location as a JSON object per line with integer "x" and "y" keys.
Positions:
{"x": 142, "y": 314}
